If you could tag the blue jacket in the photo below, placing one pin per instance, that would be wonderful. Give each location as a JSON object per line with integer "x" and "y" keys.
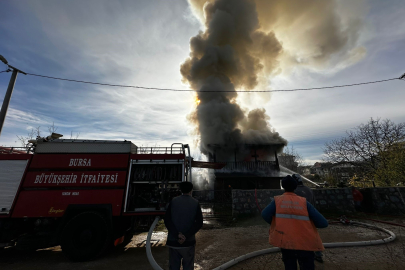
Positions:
{"x": 314, "y": 215}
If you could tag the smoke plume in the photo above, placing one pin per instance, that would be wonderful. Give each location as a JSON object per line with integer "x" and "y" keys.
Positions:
{"x": 246, "y": 42}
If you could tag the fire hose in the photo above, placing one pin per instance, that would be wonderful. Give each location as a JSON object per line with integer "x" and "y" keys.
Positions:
{"x": 237, "y": 260}
{"x": 257, "y": 203}
{"x": 151, "y": 260}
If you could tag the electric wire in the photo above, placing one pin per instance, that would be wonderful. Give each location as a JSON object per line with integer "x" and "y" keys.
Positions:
{"x": 211, "y": 91}
{"x": 7, "y": 70}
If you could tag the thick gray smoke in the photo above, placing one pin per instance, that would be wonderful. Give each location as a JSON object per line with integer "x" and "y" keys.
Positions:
{"x": 244, "y": 43}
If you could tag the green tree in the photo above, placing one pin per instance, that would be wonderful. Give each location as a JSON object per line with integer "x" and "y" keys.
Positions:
{"x": 356, "y": 181}
{"x": 393, "y": 165}
{"x": 332, "y": 181}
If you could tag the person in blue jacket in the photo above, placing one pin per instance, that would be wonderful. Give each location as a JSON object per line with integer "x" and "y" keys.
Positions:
{"x": 306, "y": 192}
{"x": 290, "y": 184}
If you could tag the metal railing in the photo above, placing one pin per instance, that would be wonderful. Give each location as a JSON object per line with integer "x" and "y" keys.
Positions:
{"x": 160, "y": 150}
{"x": 16, "y": 150}
{"x": 249, "y": 166}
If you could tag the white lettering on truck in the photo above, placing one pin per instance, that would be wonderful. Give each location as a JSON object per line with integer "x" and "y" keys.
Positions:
{"x": 80, "y": 162}
{"x": 94, "y": 179}
{"x": 57, "y": 179}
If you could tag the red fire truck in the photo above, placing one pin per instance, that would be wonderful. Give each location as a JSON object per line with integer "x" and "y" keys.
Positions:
{"x": 85, "y": 195}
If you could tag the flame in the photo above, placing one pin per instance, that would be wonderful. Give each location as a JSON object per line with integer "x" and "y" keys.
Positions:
{"x": 197, "y": 101}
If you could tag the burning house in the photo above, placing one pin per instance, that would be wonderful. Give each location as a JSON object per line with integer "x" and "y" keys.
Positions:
{"x": 252, "y": 166}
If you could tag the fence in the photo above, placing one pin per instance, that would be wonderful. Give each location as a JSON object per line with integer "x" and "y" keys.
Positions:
{"x": 249, "y": 166}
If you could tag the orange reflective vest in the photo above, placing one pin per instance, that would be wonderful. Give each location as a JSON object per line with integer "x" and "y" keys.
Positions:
{"x": 291, "y": 227}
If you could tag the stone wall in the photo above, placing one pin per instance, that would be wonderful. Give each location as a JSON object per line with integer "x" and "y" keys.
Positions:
{"x": 388, "y": 200}
{"x": 244, "y": 202}
{"x": 338, "y": 200}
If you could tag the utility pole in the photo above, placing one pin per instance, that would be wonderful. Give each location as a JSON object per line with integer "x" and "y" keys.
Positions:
{"x": 10, "y": 89}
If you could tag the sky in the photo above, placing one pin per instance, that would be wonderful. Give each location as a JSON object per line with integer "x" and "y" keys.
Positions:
{"x": 144, "y": 43}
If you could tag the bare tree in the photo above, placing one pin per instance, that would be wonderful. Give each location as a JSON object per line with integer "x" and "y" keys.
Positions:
{"x": 74, "y": 136}
{"x": 52, "y": 128}
{"x": 36, "y": 132}
{"x": 291, "y": 159}
{"x": 32, "y": 134}
{"x": 364, "y": 147}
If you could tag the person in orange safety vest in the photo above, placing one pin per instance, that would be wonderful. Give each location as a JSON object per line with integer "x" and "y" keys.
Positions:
{"x": 293, "y": 227}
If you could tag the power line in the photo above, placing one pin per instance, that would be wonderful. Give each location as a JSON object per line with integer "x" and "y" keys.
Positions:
{"x": 209, "y": 91}
{"x": 7, "y": 70}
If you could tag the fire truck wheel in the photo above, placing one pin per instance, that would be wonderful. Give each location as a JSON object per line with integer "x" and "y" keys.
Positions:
{"x": 86, "y": 236}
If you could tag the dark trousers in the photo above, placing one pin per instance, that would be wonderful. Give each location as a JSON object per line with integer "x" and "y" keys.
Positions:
{"x": 357, "y": 206}
{"x": 305, "y": 259}
{"x": 175, "y": 256}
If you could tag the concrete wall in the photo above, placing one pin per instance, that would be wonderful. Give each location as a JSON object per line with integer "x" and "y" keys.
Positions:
{"x": 337, "y": 200}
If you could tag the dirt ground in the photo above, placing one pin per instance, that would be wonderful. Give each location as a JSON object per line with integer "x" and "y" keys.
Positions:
{"x": 242, "y": 240}
{"x": 217, "y": 244}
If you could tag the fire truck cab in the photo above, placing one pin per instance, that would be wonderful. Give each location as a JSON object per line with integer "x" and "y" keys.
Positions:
{"x": 85, "y": 195}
